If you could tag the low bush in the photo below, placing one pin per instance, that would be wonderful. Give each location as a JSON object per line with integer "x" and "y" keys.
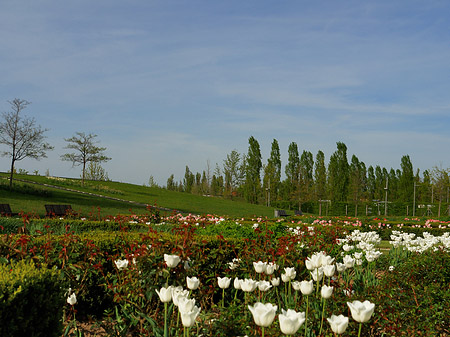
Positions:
{"x": 26, "y": 293}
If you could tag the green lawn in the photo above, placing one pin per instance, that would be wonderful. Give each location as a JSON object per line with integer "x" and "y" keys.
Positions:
{"x": 28, "y": 198}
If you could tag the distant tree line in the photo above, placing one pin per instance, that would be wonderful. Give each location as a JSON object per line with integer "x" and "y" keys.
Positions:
{"x": 310, "y": 183}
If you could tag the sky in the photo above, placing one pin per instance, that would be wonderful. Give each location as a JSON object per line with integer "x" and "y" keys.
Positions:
{"x": 165, "y": 84}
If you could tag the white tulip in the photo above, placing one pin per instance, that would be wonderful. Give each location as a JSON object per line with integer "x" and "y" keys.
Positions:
{"x": 165, "y": 294}
{"x": 326, "y": 291}
{"x": 338, "y": 323}
{"x": 263, "y": 314}
{"x": 361, "y": 311}
{"x": 192, "y": 282}
{"x": 291, "y": 321}
{"x": 72, "y": 299}
{"x": 224, "y": 282}
{"x": 171, "y": 260}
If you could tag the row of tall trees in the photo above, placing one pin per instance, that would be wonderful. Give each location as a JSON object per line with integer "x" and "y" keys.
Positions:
{"x": 309, "y": 178}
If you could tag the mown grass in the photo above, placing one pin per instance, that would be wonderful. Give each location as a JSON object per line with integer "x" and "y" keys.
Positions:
{"x": 35, "y": 197}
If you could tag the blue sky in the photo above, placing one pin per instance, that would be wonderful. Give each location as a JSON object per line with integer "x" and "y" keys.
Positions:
{"x": 165, "y": 84}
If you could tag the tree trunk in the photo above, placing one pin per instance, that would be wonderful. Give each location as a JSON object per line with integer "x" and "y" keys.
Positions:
{"x": 11, "y": 174}
{"x": 82, "y": 175}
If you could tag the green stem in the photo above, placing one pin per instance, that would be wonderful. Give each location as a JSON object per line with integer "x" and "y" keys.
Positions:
{"x": 323, "y": 312}
{"x": 223, "y": 297}
{"x": 306, "y": 317}
{"x": 166, "y": 330}
{"x": 359, "y": 331}
{"x": 262, "y": 329}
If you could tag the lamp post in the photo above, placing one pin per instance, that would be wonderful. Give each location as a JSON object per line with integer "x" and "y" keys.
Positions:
{"x": 385, "y": 198}
{"x": 414, "y": 200}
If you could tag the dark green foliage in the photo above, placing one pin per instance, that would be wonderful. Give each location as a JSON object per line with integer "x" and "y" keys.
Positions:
{"x": 31, "y": 300}
{"x": 414, "y": 298}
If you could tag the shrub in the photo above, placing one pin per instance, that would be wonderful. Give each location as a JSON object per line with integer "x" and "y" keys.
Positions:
{"x": 31, "y": 300}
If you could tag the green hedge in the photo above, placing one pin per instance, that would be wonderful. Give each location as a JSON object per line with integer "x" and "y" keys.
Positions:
{"x": 31, "y": 300}
{"x": 62, "y": 226}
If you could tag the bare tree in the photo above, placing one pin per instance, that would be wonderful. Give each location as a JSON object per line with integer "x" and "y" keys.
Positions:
{"x": 24, "y": 138}
{"x": 86, "y": 151}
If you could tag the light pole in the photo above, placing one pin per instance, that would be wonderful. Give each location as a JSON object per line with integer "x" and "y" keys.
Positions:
{"x": 385, "y": 198}
{"x": 414, "y": 200}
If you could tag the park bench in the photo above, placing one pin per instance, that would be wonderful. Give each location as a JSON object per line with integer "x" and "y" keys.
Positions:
{"x": 280, "y": 212}
{"x": 298, "y": 212}
{"x": 5, "y": 210}
{"x": 58, "y": 210}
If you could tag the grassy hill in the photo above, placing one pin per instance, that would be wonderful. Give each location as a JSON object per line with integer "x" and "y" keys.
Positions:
{"x": 32, "y": 195}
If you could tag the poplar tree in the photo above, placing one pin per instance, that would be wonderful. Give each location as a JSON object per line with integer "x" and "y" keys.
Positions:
{"x": 306, "y": 168}
{"x": 253, "y": 165}
{"x": 292, "y": 171}
{"x": 338, "y": 173}
{"x": 406, "y": 181}
{"x": 320, "y": 176}
{"x": 272, "y": 172}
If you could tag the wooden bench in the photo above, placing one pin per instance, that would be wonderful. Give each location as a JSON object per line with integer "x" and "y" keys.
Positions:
{"x": 281, "y": 212}
{"x": 58, "y": 210}
{"x": 298, "y": 212}
{"x": 5, "y": 210}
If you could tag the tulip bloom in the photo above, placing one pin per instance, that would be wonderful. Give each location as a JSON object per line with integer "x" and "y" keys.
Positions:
{"x": 192, "y": 282}
{"x": 248, "y": 285}
{"x": 317, "y": 274}
{"x": 177, "y": 294}
{"x": 340, "y": 267}
{"x": 329, "y": 270}
{"x": 263, "y": 314}
{"x": 361, "y": 311}
{"x": 165, "y": 294}
{"x": 121, "y": 264}
{"x": 338, "y": 323}
{"x": 260, "y": 267}
{"x": 237, "y": 283}
{"x": 224, "y": 282}
{"x": 290, "y": 272}
{"x": 188, "y": 318}
{"x": 171, "y": 260}
{"x": 326, "y": 291}
{"x": 186, "y": 304}
{"x": 72, "y": 299}
{"x": 348, "y": 261}
{"x": 313, "y": 262}
{"x": 296, "y": 285}
{"x": 307, "y": 287}
{"x": 264, "y": 285}
{"x": 275, "y": 281}
{"x": 291, "y": 321}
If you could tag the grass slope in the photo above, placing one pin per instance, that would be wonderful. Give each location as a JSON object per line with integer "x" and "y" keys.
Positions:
{"x": 29, "y": 197}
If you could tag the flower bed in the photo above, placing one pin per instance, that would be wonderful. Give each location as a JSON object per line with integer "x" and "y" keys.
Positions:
{"x": 239, "y": 271}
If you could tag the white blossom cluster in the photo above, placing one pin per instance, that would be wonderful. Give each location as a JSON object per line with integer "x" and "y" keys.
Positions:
{"x": 363, "y": 244}
{"x": 410, "y": 242}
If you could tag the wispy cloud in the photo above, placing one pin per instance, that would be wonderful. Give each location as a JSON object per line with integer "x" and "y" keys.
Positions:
{"x": 187, "y": 81}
